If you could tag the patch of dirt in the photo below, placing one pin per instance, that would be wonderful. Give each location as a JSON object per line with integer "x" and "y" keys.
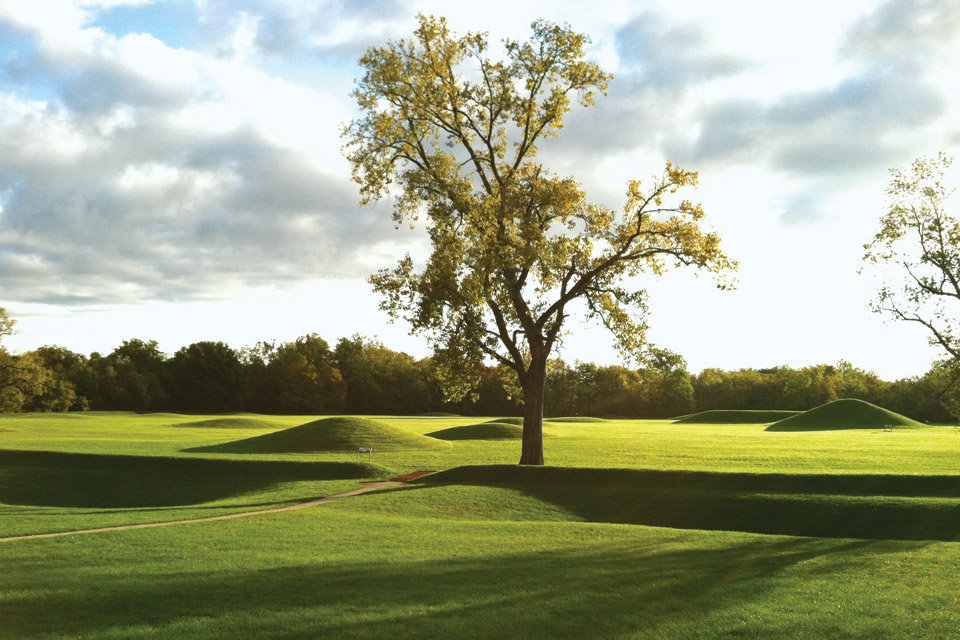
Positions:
{"x": 413, "y": 475}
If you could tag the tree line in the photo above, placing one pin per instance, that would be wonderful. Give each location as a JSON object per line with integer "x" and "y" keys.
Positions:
{"x": 362, "y": 376}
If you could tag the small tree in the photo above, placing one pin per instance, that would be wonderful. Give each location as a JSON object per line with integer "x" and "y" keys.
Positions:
{"x": 454, "y": 134}
{"x": 917, "y": 251}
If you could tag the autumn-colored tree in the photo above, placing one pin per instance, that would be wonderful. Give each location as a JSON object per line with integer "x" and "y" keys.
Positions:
{"x": 380, "y": 380}
{"x": 452, "y": 136}
{"x": 300, "y": 378}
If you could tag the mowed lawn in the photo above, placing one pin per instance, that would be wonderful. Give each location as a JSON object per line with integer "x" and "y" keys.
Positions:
{"x": 639, "y": 529}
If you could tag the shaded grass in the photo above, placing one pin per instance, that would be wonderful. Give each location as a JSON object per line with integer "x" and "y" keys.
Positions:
{"x": 580, "y": 419}
{"x": 738, "y": 416}
{"x": 848, "y": 413}
{"x": 329, "y": 434}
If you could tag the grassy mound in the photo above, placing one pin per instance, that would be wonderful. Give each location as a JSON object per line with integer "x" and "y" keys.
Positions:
{"x": 232, "y": 423}
{"x": 439, "y": 414}
{"x": 848, "y": 413}
{"x": 745, "y": 416}
{"x": 482, "y": 431}
{"x": 512, "y": 420}
{"x": 330, "y": 434}
{"x": 49, "y": 478}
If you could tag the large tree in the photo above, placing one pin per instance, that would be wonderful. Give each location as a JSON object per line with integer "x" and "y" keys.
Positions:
{"x": 452, "y": 136}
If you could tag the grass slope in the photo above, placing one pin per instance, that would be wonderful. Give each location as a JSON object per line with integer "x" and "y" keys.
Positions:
{"x": 845, "y": 506}
{"x": 482, "y": 431}
{"x": 742, "y": 416}
{"x": 330, "y": 434}
{"x": 848, "y": 413}
{"x": 47, "y": 478}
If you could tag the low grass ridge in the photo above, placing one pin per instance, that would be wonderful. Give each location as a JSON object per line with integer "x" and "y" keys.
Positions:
{"x": 481, "y": 431}
{"x": 233, "y": 422}
{"x": 848, "y": 413}
{"x": 735, "y": 416}
{"x": 819, "y": 505}
{"x": 573, "y": 419}
{"x": 341, "y": 434}
{"x": 48, "y": 478}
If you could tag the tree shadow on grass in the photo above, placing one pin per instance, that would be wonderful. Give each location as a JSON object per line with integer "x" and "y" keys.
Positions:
{"x": 55, "y": 479}
{"x": 862, "y": 506}
{"x": 663, "y": 586}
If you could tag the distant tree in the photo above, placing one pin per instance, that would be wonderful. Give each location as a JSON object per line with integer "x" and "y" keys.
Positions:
{"x": 495, "y": 395}
{"x": 453, "y": 136}
{"x": 380, "y": 380}
{"x": 139, "y": 369}
{"x": 206, "y": 377}
{"x": 300, "y": 378}
{"x": 664, "y": 387}
{"x": 58, "y": 392}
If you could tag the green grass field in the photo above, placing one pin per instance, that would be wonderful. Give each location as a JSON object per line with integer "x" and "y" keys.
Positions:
{"x": 638, "y": 529}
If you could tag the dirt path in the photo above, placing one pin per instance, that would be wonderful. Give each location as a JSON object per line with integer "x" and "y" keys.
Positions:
{"x": 367, "y": 486}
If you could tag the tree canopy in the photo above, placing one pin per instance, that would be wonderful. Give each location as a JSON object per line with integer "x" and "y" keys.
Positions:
{"x": 452, "y": 136}
{"x": 916, "y": 254}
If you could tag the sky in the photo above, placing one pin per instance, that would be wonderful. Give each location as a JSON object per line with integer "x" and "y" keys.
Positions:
{"x": 171, "y": 170}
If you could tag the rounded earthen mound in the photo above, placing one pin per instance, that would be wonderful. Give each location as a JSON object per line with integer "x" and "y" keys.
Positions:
{"x": 331, "y": 434}
{"x": 516, "y": 421}
{"x": 483, "y": 431}
{"x": 232, "y": 423}
{"x": 848, "y": 413}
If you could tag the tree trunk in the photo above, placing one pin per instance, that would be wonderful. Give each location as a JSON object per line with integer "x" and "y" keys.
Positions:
{"x": 531, "y": 451}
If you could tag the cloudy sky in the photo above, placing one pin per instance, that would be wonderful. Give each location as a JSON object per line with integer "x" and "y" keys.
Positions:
{"x": 171, "y": 170}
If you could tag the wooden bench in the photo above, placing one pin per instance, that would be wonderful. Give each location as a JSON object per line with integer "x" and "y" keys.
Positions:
{"x": 366, "y": 450}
